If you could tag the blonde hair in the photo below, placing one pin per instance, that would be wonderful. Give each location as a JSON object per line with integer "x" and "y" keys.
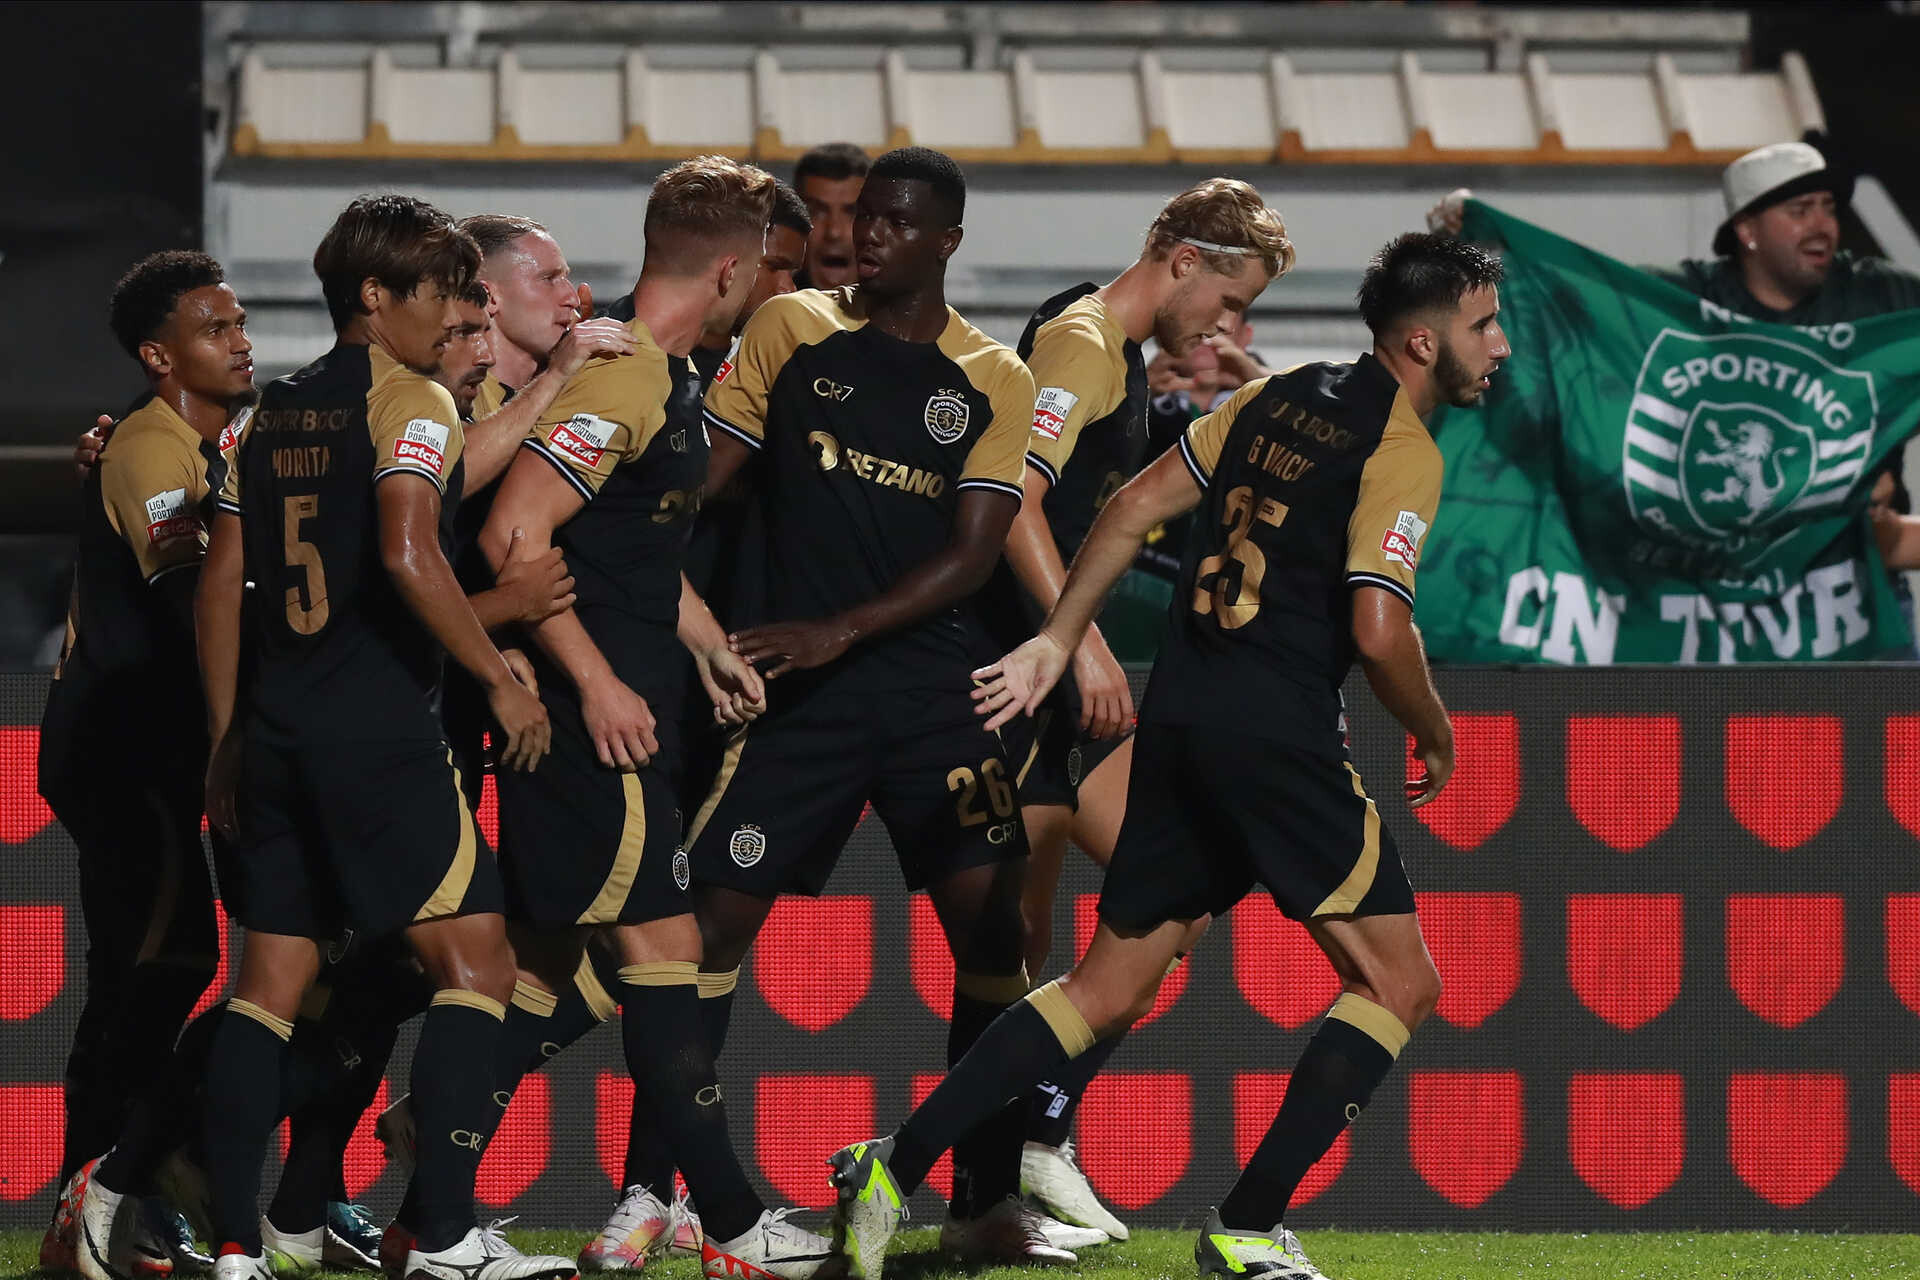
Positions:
{"x": 700, "y": 203}
{"x": 1225, "y": 212}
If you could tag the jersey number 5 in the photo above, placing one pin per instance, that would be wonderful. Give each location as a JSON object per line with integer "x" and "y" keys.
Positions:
{"x": 1228, "y": 584}
{"x": 309, "y": 617}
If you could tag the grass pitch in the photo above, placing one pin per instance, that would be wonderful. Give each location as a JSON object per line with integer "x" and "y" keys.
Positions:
{"x": 1363, "y": 1255}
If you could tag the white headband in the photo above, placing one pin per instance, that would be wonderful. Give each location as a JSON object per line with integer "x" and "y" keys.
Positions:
{"x": 1238, "y": 250}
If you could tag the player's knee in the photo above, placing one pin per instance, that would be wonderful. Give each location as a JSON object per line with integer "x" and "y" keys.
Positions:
{"x": 1415, "y": 994}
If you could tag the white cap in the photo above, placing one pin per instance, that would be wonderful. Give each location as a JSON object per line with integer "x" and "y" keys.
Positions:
{"x": 1766, "y": 176}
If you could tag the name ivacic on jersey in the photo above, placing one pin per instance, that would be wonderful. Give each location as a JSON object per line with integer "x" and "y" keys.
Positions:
{"x": 170, "y": 517}
{"x": 584, "y": 436}
{"x": 1050, "y": 410}
{"x": 1402, "y": 542}
{"x": 425, "y": 442}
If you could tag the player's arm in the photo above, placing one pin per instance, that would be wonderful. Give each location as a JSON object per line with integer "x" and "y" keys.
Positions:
{"x": 491, "y": 442}
{"x": 980, "y": 523}
{"x": 409, "y": 516}
{"x": 732, "y": 685}
{"x": 219, "y": 593}
{"x": 1076, "y": 383}
{"x": 1399, "y": 492}
{"x": 735, "y": 410}
{"x": 558, "y": 470}
{"x": 1019, "y": 682}
{"x": 526, "y": 588}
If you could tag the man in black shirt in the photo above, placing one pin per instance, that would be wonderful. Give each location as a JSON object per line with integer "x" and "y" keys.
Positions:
{"x": 1314, "y": 487}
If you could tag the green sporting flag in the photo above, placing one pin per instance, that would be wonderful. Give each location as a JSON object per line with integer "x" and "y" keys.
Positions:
{"x": 1655, "y": 479}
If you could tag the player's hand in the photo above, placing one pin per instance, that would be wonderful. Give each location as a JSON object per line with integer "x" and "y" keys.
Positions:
{"x": 587, "y": 340}
{"x": 518, "y": 712}
{"x": 522, "y": 668}
{"x": 621, "y": 725}
{"x": 584, "y": 303}
{"x": 796, "y": 646}
{"x": 1019, "y": 682}
{"x": 223, "y": 781}
{"x": 1164, "y": 376}
{"x": 539, "y": 585}
{"x": 1438, "y": 759}
{"x": 1447, "y": 217}
{"x": 1234, "y": 360}
{"x": 734, "y": 687}
{"x": 86, "y": 450}
{"x": 1106, "y": 700}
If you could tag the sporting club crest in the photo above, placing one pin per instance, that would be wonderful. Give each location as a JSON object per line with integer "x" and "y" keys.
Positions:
{"x": 1733, "y": 438}
{"x": 946, "y": 416}
{"x": 748, "y": 846}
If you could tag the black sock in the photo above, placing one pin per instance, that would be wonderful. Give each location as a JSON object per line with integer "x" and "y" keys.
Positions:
{"x": 673, "y": 1077}
{"x": 986, "y": 1160}
{"x": 318, "y": 1133}
{"x": 243, "y": 1104}
{"x": 1347, "y": 1058}
{"x": 1032, "y": 1040}
{"x": 650, "y": 1161}
{"x": 1055, "y": 1102}
{"x": 454, "y": 1112}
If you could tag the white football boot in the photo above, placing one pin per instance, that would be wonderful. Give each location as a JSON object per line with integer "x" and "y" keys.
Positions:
{"x": 1056, "y": 1182}
{"x": 484, "y": 1254}
{"x": 771, "y": 1247}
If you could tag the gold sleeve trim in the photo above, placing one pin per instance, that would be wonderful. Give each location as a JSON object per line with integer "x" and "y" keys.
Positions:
{"x": 1376, "y": 1021}
{"x": 661, "y": 973}
{"x": 1068, "y": 1027}
{"x": 1079, "y": 376}
{"x": 248, "y": 1009}
{"x": 469, "y": 1000}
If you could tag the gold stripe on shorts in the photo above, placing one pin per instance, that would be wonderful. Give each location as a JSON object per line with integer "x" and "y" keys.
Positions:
{"x": 626, "y": 859}
{"x": 445, "y": 900}
{"x": 1033, "y": 752}
{"x": 1345, "y": 899}
{"x": 729, "y": 763}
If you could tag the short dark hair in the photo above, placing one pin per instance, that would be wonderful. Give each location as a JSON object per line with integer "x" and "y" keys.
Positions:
{"x": 398, "y": 240}
{"x": 834, "y": 161}
{"x": 1420, "y": 272}
{"x": 789, "y": 210}
{"x": 146, "y": 296}
{"x": 935, "y": 168}
{"x": 474, "y": 295}
{"x": 496, "y": 231}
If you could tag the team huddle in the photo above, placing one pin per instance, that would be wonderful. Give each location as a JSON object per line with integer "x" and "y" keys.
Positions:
{"x": 698, "y": 579}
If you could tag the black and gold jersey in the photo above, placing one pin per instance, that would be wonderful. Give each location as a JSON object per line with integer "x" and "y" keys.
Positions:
{"x": 128, "y": 662}
{"x": 470, "y": 517}
{"x": 1317, "y": 481}
{"x": 626, "y": 434}
{"x": 1089, "y": 433}
{"x": 868, "y": 442}
{"x": 335, "y": 652}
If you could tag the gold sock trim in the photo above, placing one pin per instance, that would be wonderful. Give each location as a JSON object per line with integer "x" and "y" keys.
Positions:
{"x": 1068, "y": 1027}
{"x": 991, "y": 988}
{"x": 587, "y": 982}
{"x": 470, "y": 1000}
{"x": 1375, "y": 1020}
{"x": 248, "y": 1009}
{"x": 661, "y": 973}
{"x": 1179, "y": 958}
{"x": 715, "y": 985}
{"x": 531, "y": 999}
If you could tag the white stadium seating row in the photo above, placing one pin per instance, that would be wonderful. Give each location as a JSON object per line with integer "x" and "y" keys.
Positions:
{"x": 1149, "y": 110}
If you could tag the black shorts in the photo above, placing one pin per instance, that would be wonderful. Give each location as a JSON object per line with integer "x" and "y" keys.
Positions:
{"x": 1052, "y": 754}
{"x": 582, "y": 843}
{"x": 367, "y": 836}
{"x": 794, "y": 783}
{"x": 1211, "y": 813}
